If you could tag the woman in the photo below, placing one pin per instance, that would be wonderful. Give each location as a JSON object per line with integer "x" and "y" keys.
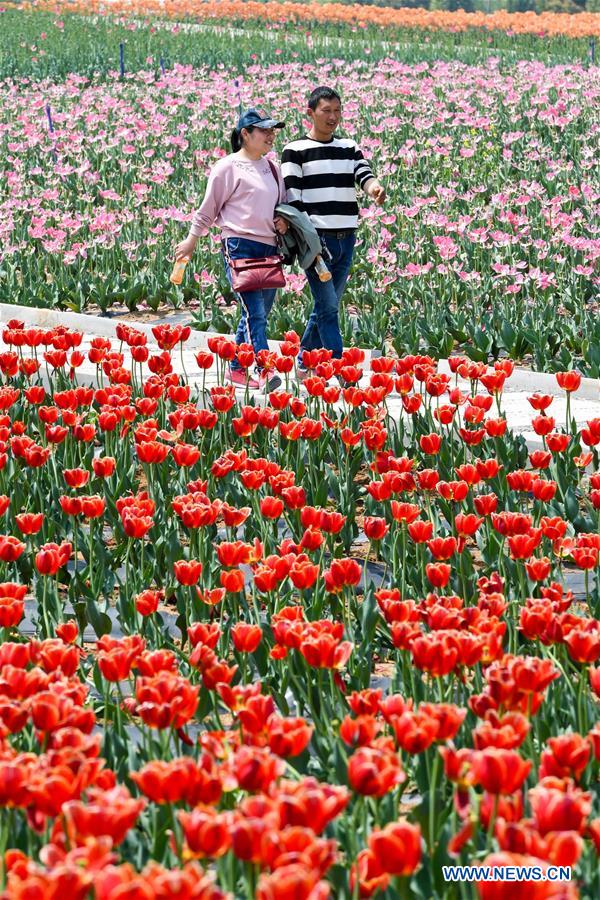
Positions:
{"x": 242, "y": 192}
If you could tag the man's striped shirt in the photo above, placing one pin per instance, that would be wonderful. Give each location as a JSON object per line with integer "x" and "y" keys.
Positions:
{"x": 321, "y": 177}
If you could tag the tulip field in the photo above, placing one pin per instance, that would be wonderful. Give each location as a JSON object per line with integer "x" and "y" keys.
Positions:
{"x": 488, "y": 151}
{"x": 291, "y": 647}
{"x": 322, "y": 642}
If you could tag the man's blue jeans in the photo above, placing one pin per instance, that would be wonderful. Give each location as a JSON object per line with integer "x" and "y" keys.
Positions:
{"x": 255, "y": 305}
{"x": 323, "y": 326}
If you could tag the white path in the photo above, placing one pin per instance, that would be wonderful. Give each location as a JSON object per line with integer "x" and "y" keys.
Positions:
{"x": 585, "y": 404}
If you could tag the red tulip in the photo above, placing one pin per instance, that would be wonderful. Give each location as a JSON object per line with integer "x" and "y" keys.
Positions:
{"x": 438, "y": 574}
{"x": 288, "y": 736}
{"x": 553, "y": 527}
{"x": 76, "y": 478}
{"x": 342, "y": 573}
{"x": 10, "y": 548}
{"x": 211, "y": 597}
{"x": 312, "y": 539}
{"x": 310, "y": 804}
{"x": 485, "y": 504}
{"x": 374, "y": 772}
{"x": 271, "y": 507}
{"x": 187, "y": 572}
{"x": 543, "y": 425}
{"x": 449, "y": 718}
{"x": 558, "y": 442}
{"x": 68, "y": 631}
{"x": 108, "y": 813}
{"x": 29, "y": 523}
{"x": 522, "y": 546}
{"x": 467, "y": 524}
{"x": 557, "y": 805}
{"x": 405, "y": 512}
{"x": 430, "y": 443}
{"x": 103, "y": 466}
{"x": 595, "y": 680}
{"x": 51, "y": 557}
{"x": 583, "y": 643}
{"x": 92, "y": 506}
{"x": 585, "y": 557}
{"x": 116, "y": 663}
{"x": 71, "y": 506}
{"x": 375, "y": 528}
{"x": 185, "y": 455}
{"x": 147, "y": 602}
{"x": 325, "y": 652}
{"x": 236, "y": 553}
{"x": 543, "y": 489}
{"x": 152, "y": 452}
{"x": 136, "y": 526}
{"x": 204, "y": 633}
{"x": 183, "y": 779}
{"x": 415, "y": 731}
{"x": 540, "y": 401}
{"x": 367, "y": 870}
{"x": 206, "y": 832}
{"x": 246, "y": 637}
{"x": 254, "y": 710}
{"x": 442, "y": 547}
{"x": 303, "y": 574}
{"x": 330, "y": 521}
{"x": 165, "y": 700}
{"x": 293, "y": 880}
{"x": 12, "y": 603}
{"x": 538, "y": 569}
{"x": 256, "y": 769}
{"x": 540, "y": 459}
{"x": 566, "y": 757}
{"x": 499, "y": 771}
{"x": 397, "y": 847}
{"x": 453, "y": 490}
{"x": 568, "y": 381}
{"x": 232, "y": 580}
{"x": 420, "y": 531}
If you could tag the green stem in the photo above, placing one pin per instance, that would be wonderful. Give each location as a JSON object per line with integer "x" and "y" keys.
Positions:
{"x": 432, "y": 790}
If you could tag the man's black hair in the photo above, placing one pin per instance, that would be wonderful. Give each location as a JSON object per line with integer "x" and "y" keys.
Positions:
{"x": 322, "y": 93}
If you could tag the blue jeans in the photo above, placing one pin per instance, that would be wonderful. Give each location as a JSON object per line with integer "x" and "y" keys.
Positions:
{"x": 323, "y": 326}
{"x": 255, "y": 305}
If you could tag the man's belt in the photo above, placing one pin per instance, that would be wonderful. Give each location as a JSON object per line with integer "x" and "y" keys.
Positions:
{"x": 343, "y": 233}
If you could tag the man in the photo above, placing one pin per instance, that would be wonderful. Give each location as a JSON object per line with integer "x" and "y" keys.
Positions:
{"x": 321, "y": 171}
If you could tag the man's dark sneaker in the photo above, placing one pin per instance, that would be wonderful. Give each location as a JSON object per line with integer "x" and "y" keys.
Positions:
{"x": 271, "y": 382}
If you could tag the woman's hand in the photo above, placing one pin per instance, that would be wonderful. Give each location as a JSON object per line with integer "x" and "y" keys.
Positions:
{"x": 281, "y": 226}
{"x": 186, "y": 248}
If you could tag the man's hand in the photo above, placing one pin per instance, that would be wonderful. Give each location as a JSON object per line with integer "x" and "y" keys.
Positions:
{"x": 281, "y": 226}
{"x": 376, "y": 191}
{"x": 186, "y": 248}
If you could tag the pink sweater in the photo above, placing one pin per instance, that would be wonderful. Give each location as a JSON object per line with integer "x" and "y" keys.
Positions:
{"x": 240, "y": 198}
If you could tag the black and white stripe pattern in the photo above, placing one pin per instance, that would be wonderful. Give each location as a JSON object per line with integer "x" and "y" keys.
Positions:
{"x": 321, "y": 178}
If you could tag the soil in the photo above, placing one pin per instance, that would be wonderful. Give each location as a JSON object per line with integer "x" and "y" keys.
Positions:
{"x": 147, "y": 316}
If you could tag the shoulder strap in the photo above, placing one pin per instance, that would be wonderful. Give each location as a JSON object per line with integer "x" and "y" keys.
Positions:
{"x": 274, "y": 174}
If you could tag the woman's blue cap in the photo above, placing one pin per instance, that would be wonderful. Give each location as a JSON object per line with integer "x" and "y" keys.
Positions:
{"x": 257, "y": 118}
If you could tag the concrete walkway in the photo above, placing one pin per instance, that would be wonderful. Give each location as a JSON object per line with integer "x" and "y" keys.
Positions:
{"x": 585, "y": 404}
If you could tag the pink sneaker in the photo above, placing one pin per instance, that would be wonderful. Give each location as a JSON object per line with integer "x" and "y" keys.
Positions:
{"x": 242, "y": 378}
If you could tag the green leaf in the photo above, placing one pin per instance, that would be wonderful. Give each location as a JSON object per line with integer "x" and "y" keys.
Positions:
{"x": 571, "y": 504}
